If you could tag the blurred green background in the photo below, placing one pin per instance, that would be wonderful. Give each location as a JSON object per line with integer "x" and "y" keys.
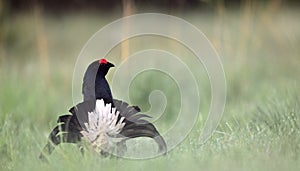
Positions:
{"x": 259, "y": 45}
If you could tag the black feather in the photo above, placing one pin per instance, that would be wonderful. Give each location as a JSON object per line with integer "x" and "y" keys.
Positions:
{"x": 95, "y": 86}
{"x": 70, "y": 125}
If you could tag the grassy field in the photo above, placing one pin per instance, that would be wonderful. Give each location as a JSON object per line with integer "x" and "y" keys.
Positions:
{"x": 260, "y": 129}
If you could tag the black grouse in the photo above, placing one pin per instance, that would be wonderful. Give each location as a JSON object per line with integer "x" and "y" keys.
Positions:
{"x": 94, "y": 87}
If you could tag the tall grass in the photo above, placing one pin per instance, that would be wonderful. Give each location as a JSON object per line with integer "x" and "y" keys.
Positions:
{"x": 260, "y": 127}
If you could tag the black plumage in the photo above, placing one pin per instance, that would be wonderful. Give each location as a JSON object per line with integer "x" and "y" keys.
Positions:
{"x": 94, "y": 87}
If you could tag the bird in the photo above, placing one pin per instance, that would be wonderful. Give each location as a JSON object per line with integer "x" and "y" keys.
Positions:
{"x": 95, "y": 85}
{"x": 75, "y": 126}
{"x": 98, "y": 87}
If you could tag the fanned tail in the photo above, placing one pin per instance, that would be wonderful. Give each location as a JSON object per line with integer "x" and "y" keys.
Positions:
{"x": 67, "y": 131}
{"x": 70, "y": 125}
{"x": 137, "y": 126}
{"x": 145, "y": 130}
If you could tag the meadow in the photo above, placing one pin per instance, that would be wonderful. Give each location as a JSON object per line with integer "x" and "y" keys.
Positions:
{"x": 260, "y": 128}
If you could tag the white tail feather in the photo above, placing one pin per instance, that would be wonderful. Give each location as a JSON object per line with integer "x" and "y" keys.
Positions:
{"x": 102, "y": 126}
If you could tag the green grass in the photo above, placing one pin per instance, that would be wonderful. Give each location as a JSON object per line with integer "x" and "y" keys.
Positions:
{"x": 260, "y": 129}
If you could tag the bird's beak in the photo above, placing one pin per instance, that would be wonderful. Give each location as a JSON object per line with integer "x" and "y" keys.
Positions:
{"x": 110, "y": 64}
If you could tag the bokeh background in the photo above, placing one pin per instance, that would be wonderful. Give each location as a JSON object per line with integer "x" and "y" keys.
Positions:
{"x": 258, "y": 42}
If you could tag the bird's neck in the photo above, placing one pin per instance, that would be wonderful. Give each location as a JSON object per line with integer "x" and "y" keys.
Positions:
{"x": 101, "y": 73}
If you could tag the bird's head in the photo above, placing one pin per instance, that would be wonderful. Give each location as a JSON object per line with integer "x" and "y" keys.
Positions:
{"x": 104, "y": 66}
{"x": 104, "y": 63}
